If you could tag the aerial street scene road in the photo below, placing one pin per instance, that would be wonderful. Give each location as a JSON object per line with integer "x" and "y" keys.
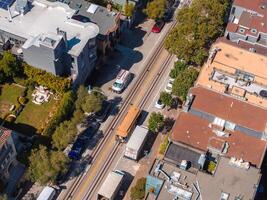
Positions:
{"x": 133, "y": 99}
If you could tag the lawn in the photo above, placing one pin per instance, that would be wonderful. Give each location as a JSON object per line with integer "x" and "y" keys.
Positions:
{"x": 8, "y": 96}
{"x": 34, "y": 117}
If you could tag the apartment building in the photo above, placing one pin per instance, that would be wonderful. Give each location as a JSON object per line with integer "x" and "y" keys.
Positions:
{"x": 247, "y": 25}
{"x": 44, "y": 35}
{"x": 236, "y": 72}
{"x": 106, "y": 19}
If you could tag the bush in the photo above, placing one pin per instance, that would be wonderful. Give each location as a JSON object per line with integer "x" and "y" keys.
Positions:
{"x": 163, "y": 146}
{"x": 211, "y": 167}
{"x": 64, "y": 112}
{"x": 10, "y": 118}
{"x": 41, "y": 77}
{"x": 138, "y": 191}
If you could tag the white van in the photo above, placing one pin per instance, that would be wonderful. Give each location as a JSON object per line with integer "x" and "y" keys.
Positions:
{"x": 47, "y": 193}
{"x": 121, "y": 81}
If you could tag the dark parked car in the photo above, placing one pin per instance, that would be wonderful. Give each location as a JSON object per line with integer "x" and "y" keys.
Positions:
{"x": 167, "y": 16}
{"x": 102, "y": 114}
{"x": 158, "y": 26}
{"x": 90, "y": 131}
{"x": 77, "y": 149}
{"x": 263, "y": 93}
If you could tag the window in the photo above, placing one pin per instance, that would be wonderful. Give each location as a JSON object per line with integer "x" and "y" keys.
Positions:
{"x": 224, "y": 196}
{"x": 241, "y": 30}
{"x": 233, "y": 11}
{"x": 219, "y": 122}
{"x": 253, "y": 31}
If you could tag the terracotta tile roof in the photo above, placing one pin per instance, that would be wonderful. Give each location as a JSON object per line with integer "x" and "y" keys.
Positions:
{"x": 196, "y": 132}
{"x": 255, "y": 5}
{"x": 230, "y": 109}
{"x": 4, "y": 135}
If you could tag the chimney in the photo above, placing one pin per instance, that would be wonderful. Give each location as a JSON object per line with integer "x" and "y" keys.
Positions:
{"x": 109, "y": 7}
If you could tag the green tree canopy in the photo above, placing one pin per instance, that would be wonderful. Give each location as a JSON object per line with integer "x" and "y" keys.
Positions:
{"x": 166, "y": 98}
{"x": 45, "y": 165}
{"x": 183, "y": 82}
{"x": 177, "y": 68}
{"x": 155, "y": 122}
{"x": 65, "y": 134}
{"x": 156, "y": 9}
{"x": 3, "y": 196}
{"x": 198, "y": 27}
{"x": 139, "y": 190}
{"x": 9, "y": 65}
{"x": 93, "y": 102}
{"x": 129, "y": 9}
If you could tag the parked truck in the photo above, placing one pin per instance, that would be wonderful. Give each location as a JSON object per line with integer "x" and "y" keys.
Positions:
{"x": 111, "y": 186}
{"x": 47, "y": 193}
{"x": 136, "y": 142}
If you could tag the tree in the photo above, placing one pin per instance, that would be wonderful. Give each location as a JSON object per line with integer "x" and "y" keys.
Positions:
{"x": 93, "y": 102}
{"x": 45, "y": 165}
{"x": 198, "y": 27}
{"x": 156, "y": 9}
{"x": 64, "y": 134}
{"x": 82, "y": 92}
{"x": 129, "y": 9}
{"x": 155, "y": 122}
{"x": 139, "y": 190}
{"x": 177, "y": 68}
{"x": 166, "y": 98}
{"x": 183, "y": 82}
{"x": 9, "y": 65}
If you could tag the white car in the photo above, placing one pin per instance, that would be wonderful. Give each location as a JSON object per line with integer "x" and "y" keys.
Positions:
{"x": 168, "y": 87}
{"x": 159, "y": 104}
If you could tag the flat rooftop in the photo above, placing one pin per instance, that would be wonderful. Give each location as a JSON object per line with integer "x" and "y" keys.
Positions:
{"x": 230, "y": 59}
{"x": 228, "y": 179}
{"x": 231, "y": 180}
{"x": 45, "y": 17}
{"x": 197, "y": 132}
{"x": 229, "y": 108}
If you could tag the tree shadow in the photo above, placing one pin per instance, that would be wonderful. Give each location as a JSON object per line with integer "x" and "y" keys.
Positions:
{"x": 116, "y": 101}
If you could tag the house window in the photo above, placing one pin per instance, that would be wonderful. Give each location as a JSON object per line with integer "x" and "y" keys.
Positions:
{"x": 233, "y": 11}
{"x": 241, "y": 30}
{"x": 224, "y": 196}
{"x": 253, "y": 31}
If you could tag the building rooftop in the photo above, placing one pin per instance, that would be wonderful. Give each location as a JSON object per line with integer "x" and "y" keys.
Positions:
{"x": 43, "y": 19}
{"x": 228, "y": 180}
{"x": 106, "y": 20}
{"x": 198, "y": 133}
{"x": 230, "y": 109}
{"x": 259, "y": 6}
{"x": 4, "y": 135}
{"x": 234, "y": 62}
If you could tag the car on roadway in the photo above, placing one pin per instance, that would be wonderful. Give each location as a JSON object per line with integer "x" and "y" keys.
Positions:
{"x": 101, "y": 115}
{"x": 158, "y": 26}
{"x": 159, "y": 104}
{"x": 169, "y": 85}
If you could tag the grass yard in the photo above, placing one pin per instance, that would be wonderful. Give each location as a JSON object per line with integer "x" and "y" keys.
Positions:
{"x": 34, "y": 117}
{"x": 8, "y": 96}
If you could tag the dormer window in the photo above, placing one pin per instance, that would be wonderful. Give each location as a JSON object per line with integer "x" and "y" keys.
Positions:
{"x": 241, "y": 30}
{"x": 253, "y": 31}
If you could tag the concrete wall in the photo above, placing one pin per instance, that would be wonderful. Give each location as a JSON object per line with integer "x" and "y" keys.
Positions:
{"x": 45, "y": 58}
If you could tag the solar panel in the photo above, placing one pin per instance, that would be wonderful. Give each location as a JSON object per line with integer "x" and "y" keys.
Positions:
{"x": 5, "y": 3}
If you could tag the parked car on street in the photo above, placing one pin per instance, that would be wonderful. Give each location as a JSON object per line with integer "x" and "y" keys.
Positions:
{"x": 158, "y": 26}
{"x": 77, "y": 149}
{"x": 101, "y": 115}
{"x": 168, "y": 87}
{"x": 159, "y": 104}
{"x": 263, "y": 93}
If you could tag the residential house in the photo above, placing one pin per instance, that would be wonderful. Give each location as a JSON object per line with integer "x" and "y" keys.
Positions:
{"x": 44, "y": 35}
{"x": 106, "y": 19}
{"x": 247, "y": 25}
